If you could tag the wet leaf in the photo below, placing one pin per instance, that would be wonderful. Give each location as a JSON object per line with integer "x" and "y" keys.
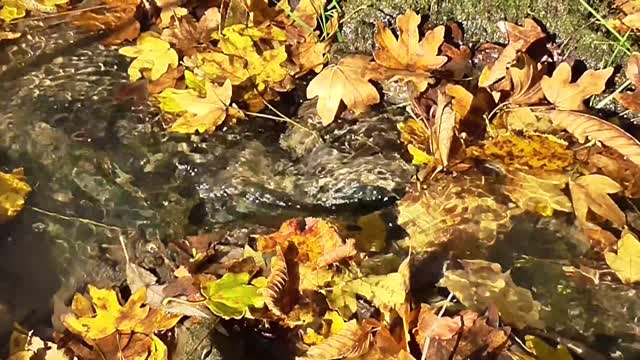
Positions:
{"x": 150, "y": 53}
{"x": 481, "y": 284}
{"x": 232, "y": 296}
{"x": 546, "y": 352}
{"x": 343, "y": 82}
{"x": 565, "y": 95}
{"x": 115, "y": 15}
{"x": 199, "y": 114}
{"x": 590, "y": 192}
{"x": 626, "y": 263}
{"x": 13, "y": 192}
{"x": 415, "y": 135}
{"x": 353, "y": 340}
{"x": 458, "y": 215}
{"x": 314, "y": 239}
{"x": 407, "y": 52}
{"x": 584, "y": 126}
{"x": 631, "y": 100}
{"x": 539, "y": 192}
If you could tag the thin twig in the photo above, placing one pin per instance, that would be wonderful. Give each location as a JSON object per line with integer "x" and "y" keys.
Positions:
{"x": 606, "y": 100}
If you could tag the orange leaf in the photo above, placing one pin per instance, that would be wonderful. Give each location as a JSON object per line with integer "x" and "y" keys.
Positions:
{"x": 566, "y": 95}
{"x": 343, "y": 82}
{"x": 353, "y": 340}
{"x": 584, "y": 126}
{"x": 281, "y": 291}
{"x": 498, "y": 70}
{"x": 528, "y": 33}
{"x": 407, "y": 52}
{"x": 527, "y": 88}
{"x": 591, "y": 192}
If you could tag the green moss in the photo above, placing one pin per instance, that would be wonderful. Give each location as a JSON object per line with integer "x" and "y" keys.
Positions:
{"x": 573, "y": 25}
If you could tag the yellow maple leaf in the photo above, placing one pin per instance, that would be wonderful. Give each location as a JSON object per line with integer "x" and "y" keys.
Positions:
{"x": 407, "y": 52}
{"x": 150, "y": 53}
{"x": 217, "y": 66}
{"x": 13, "y": 191}
{"x": 200, "y": 114}
{"x": 626, "y": 263}
{"x": 343, "y": 82}
{"x": 15, "y": 9}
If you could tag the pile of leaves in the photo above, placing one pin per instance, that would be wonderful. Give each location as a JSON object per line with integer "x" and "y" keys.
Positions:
{"x": 519, "y": 115}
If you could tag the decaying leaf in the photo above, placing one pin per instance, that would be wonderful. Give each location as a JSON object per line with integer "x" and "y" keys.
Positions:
{"x": 232, "y": 296}
{"x": 281, "y": 292}
{"x": 531, "y": 151}
{"x": 539, "y": 192}
{"x": 199, "y": 114}
{"x": 150, "y": 53}
{"x": 408, "y": 52}
{"x": 13, "y": 192}
{"x": 626, "y": 263}
{"x": 481, "y": 284}
{"x": 190, "y": 36}
{"x": 565, "y": 95}
{"x": 631, "y": 100}
{"x": 353, "y": 340}
{"x": 611, "y": 163}
{"x": 315, "y": 239}
{"x": 343, "y": 82}
{"x": 542, "y": 351}
{"x": 458, "y": 215}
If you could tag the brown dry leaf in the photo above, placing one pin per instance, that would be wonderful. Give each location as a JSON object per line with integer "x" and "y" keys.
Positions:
{"x": 443, "y": 129}
{"x": 498, "y": 69}
{"x": 526, "y": 82}
{"x": 435, "y": 327}
{"x": 314, "y": 238}
{"x": 631, "y": 100}
{"x": 591, "y": 192}
{"x": 309, "y": 55}
{"x": 281, "y": 292}
{"x": 528, "y": 33}
{"x": 565, "y": 95}
{"x": 611, "y": 163}
{"x": 353, "y": 340}
{"x": 584, "y": 126}
{"x": 338, "y": 254}
{"x": 419, "y": 80}
{"x": 190, "y": 36}
{"x": 539, "y": 192}
{"x": 457, "y": 213}
{"x": 126, "y": 32}
{"x": 386, "y": 347}
{"x": 343, "y": 82}
{"x": 459, "y": 64}
{"x": 481, "y": 284}
{"x": 167, "y": 80}
{"x": 408, "y": 52}
{"x": 117, "y": 13}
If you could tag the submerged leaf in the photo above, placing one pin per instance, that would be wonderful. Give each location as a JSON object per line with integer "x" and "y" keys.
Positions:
{"x": 13, "y": 192}
{"x": 542, "y": 351}
{"x": 538, "y": 192}
{"x": 591, "y": 192}
{"x": 626, "y": 263}
{"x": 481, "y": 284}
{"x": 343, "y": 82}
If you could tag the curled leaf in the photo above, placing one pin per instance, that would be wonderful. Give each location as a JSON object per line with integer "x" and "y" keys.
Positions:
{"x": 353, "y": 340}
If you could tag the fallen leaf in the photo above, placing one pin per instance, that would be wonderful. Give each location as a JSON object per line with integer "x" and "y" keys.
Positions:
{"x": 529, "y": 33}
{"x": 150, "y": 53}
{"x": 190, "y": 36}
{"x": 127, "y": 31}
{"x": 232, "y": 296}
{"x": 443, "y": 129}
{"x": 13, "y": 192}
{"x": 167, "y": 80}
{"x": 591, "y": 192}
{"x": 540, "y": 192}
{"x": 199, "y": 114}
{"x": 438, "y": 327}
{"x": 344, "y": 251}
{"x": 408, "y": 52}
{"x": 584, "y": 126}
{"x": 609, "y": 162}
{"x": 626, "y": 263}
{"x": 415, "y": 134}
{"x": 353, "y": 340}
{"x": 113, "y": 14}
{"x": 498, "y": 69}
{"x": 542, "y": 351}
{"x": 565, "y": 95}
{"x": 15, "y": 9}
{"x": 631, "y": 100}
{"x": 310, "y": 55}
{"x": 481, "y": 284}
{"x": 281, "y": 292}
{"x": 26, "y": 346}
{"x": 343, "y": 82}
{"x": 526, "y": 82}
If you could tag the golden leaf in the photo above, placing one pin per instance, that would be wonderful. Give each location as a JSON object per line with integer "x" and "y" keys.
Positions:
{"x": 199, "y": 114}
{"x": 353, "y": 340}
{"x": 343, "y": 82}
{"x": 498, "y": 70}
{"x": 626, "y": 263}
{"x": 13, "y": 192}
{"x": 584, "y": 126}
{"x": 150, "y": 53}
{"x": 407, "y": 52}
{"x": 538, "y": 192}
{"x": 546, "y": 352}
{"x": 565, "y": 95}
{"x": 591, "y": 192}
{"x": 526, "y": 82}
{"x": 481, "y": 284}
{"x": 443, "y": 129}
